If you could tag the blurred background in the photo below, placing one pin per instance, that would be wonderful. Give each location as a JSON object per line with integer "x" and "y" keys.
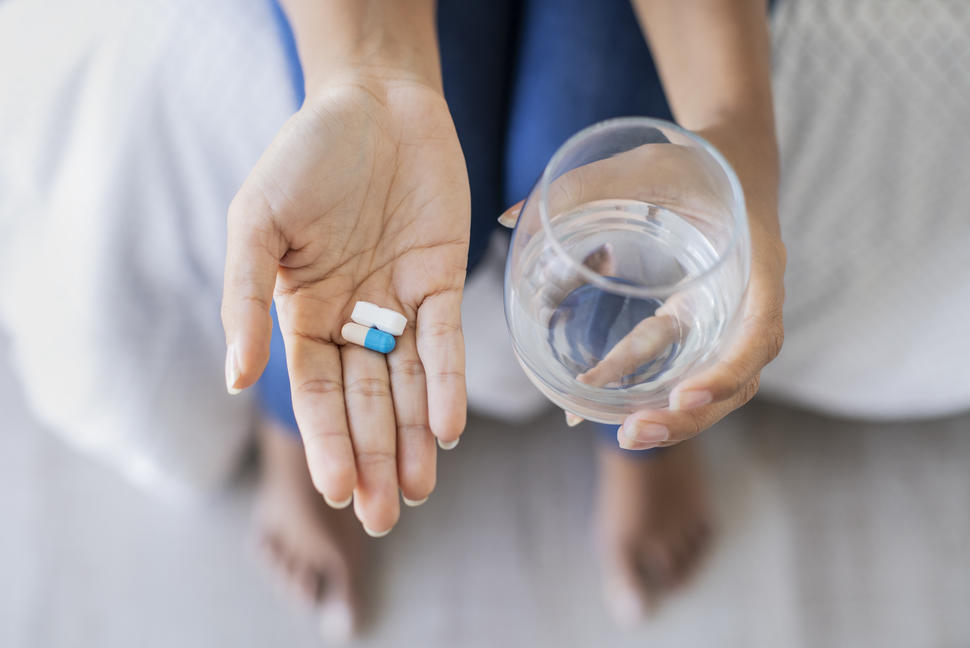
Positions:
{"x": 842, "y": 494}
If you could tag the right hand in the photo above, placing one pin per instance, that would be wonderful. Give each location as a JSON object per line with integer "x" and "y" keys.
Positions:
{"x": 363, "y": 195}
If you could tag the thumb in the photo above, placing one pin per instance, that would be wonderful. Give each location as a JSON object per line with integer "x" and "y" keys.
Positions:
{"x": 253, "y": 250}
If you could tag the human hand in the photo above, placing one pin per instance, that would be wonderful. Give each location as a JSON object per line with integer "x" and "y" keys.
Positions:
{"x": 699, "y": 401}
{"x": 363, "y": 195}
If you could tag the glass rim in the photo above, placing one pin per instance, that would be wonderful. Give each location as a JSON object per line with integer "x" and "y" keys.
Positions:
{"x": 662, "y": 290}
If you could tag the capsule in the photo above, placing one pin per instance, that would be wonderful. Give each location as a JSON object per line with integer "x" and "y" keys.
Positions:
{"x": 372, "y": 315}
{"x": 369, "y": 338}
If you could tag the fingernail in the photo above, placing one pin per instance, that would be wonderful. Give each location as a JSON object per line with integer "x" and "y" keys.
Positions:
{"x": 448, "y": 445}
{"x": 413, "y": 503}
{"x": 642, "y": 433}
{"x": 338, "y": 505}
{"x": 232, "y": 371}
{"x": 508, "y": 218}
{"x": 375, "y": 534}
{"x": 691, "y": 399}
{"x": 572, "y": 420}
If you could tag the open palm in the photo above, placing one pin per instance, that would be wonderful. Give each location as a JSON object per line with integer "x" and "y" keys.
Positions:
{"x": 363, "y": 195}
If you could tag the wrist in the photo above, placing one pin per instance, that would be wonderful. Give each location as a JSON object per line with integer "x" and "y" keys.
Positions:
{"x": 375, "y": 40}
{"x": 750, "y": 147}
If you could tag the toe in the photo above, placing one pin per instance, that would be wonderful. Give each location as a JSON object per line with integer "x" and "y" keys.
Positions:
{"x": 337, "y": 609}
{"x": 337, "y": 621}
{"x": 309, "y": 584}
{"x": 624, "y": 594}
{"x": 659, "y": 565}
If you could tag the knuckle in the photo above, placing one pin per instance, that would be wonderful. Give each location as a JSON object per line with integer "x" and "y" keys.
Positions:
{"x": 770, "y": 336}
{"x": 685, "y": 428}
{"x": 749, "y": 390}
{"x": 317, "y": 439}
{"x": 438, "y": 330}
{"x": 263, "y": 302}
{"x": 774, "y": 334}
{"x": 374, "y": 457}
{"x": 448, "y": 377}
{"x": 731, "y": 378}
{"x": 320, "y": 386}
{"x": 414, "y": 429}
{"x": 776, "y": 340}
{"x": 368, "y": 388}
{"x": 411, "y": 368}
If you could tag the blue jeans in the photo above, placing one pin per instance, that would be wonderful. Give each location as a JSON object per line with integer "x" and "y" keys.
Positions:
{"x": 520, "y": 77}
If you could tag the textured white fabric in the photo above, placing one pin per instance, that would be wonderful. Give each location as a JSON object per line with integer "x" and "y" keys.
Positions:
{"x": 125, "y": 129}
{"x": 873, "y": 104}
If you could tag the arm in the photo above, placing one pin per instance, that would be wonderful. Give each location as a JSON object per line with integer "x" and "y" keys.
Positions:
{"x": 714, "y": 60}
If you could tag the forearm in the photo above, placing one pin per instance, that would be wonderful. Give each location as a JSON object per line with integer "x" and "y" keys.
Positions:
{"x": 714, "y": 59}
{"x": 393, "y": 39}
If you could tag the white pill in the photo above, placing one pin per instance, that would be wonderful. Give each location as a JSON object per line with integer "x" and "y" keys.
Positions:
{"x": 366, "y": 313}
{"x": 391, "y": 321}
{"x": 385, "y": 319}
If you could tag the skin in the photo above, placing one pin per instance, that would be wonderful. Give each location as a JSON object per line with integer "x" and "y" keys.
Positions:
{"x": 363, "y": 196}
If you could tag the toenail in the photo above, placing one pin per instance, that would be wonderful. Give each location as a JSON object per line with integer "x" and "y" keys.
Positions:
{"x": 337, "y": 622}
{"x": 375, "y": 534}
{"x": 448, "y": 445}
{"x": 339, "y": 505}
{"x": 413, "y": 503}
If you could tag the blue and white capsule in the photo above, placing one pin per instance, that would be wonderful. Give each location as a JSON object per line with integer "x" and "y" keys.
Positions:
{"x": 369, "y": 338}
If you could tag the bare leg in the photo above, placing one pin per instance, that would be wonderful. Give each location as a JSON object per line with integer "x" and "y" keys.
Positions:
{"x": 313, "y": 548}
{"x": 653, "y": 525}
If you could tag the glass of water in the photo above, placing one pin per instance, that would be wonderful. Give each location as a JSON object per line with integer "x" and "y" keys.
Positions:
{"x": 627, "y": 267}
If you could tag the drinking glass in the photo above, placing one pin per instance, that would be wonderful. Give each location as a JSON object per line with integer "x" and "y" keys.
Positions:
{"x": 627, "y": 267}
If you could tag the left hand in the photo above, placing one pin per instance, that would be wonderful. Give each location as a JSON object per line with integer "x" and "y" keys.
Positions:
{"x": 699, "y": 401}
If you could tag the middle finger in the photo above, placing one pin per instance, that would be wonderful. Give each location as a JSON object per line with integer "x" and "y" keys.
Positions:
{"x": 370, "y": 415}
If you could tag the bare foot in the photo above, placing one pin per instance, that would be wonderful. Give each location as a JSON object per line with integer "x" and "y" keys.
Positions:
{"x": 312, "y": 547}
{"x": 653, "y": 525}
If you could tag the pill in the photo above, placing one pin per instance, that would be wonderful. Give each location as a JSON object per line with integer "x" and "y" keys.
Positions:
{"x": 369, "y": 338}
{"x": 366, "y": 314}
{"x": 387, "y": 320}
{"x": 391, "y": 321}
